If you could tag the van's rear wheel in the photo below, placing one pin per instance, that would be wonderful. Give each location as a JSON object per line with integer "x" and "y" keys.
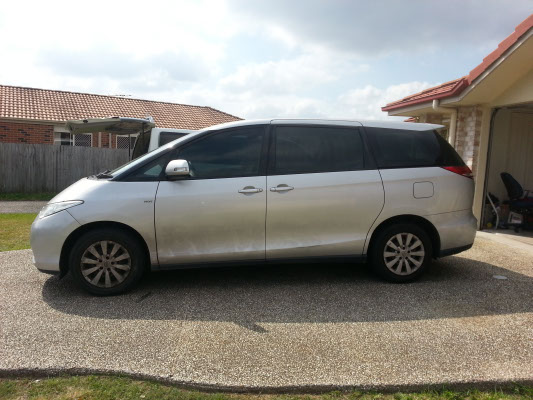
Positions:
{"x": 401, "y": 252}
{"x": 107, "y": 261}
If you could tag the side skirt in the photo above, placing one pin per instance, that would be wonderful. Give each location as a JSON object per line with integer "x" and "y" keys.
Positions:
{"x": 251, "y": 263}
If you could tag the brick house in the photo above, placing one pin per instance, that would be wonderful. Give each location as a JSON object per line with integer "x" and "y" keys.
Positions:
{"x": 488, "y": 114}
{"x": 29, "y": 115}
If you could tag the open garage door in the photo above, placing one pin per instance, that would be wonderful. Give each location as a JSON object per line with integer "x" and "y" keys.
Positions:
{"x": 511, "y": 151}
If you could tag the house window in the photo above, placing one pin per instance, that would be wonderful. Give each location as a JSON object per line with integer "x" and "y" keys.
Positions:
{"x": 63, "y": 138}
{"x": 122, "y": 141}
{"x": 83, "y": 139}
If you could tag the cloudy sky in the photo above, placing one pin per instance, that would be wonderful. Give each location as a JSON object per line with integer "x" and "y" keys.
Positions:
{"x": 252, "y": 58}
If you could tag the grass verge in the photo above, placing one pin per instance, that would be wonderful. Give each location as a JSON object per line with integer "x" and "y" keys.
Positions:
{"x": 107, "y": 388}
{"x": 45, "y": 196}
{"x": 15, "y": 231}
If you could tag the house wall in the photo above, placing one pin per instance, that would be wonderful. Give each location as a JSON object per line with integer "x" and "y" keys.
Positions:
{"x": 42, "y": 133}
{"x": 468, "y": 134}
{"x": 103, "y": 139}
{"x": 23, "y": 132}
{"x": 436, "y": 119}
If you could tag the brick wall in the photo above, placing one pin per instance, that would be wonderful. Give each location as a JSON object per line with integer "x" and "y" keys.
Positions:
{"x": 17, "y": 132}
{"x": 105, "y": 140}
{"x": 468, "y": 134}
{"x": 435, "y": 119}
{"x": 34, "y": 133}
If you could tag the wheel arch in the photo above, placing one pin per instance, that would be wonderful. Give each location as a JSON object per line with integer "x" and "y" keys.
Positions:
{"x": 76, "y": 234}
{"x": 423, "y": 223}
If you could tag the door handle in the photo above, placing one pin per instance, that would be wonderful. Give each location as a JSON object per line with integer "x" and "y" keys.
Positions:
{"x": 250, "y": 189}
{"x": 281, "y": 188}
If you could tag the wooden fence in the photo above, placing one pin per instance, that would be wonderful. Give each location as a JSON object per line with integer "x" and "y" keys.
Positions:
{"x": 30, "y": 168}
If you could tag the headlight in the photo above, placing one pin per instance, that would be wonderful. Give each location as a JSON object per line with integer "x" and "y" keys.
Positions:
{"x": 53, "y": 208}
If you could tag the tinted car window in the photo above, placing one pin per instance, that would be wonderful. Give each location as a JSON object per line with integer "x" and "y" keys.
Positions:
{"x": 300, "y": 149}
{"x": 141, "y": 145}
{"x": 152, "y": 171}
{"x": 226, "y": 154}
{"x": 167, "y": 137}
{"x": 398, "y": 148}
{"x": 448, "y": 155}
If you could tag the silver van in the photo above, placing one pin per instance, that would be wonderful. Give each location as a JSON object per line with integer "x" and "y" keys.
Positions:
{"x": 394, "y": 193}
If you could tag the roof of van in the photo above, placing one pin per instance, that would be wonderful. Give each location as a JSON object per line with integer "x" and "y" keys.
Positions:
{"x": 414, "y": 126}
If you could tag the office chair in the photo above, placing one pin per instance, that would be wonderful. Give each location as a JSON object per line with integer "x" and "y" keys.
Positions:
{"x": 519, "y": 201}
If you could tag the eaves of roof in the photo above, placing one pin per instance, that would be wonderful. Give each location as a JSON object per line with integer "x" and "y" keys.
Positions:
{"x": 455, "y": 87}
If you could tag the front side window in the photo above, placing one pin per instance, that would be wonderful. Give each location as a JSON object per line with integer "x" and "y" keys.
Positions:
{"x": 152, "y": 171}
{"x": 227, "y": 154}
{"x": 302, "y": 149}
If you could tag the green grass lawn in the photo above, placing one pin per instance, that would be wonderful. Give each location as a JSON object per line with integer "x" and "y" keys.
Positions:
{"x": 26, "y": 196}
{"x": 107, "y": 388}
{"x": 15, "y": 231}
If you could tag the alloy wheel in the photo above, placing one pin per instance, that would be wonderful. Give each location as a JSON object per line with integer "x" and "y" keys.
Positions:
{"x": 105, "y": 264}
{"x": 404, "y": 254}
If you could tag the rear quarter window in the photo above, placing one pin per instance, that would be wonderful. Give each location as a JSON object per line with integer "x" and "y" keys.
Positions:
{"x": 401, "y": 148}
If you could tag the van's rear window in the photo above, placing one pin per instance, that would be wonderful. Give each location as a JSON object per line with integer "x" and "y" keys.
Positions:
{"x": 401, "y": 148}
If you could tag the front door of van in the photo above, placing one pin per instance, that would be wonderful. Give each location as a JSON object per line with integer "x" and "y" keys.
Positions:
{"x": 323, "y": 196}
{"x": 218, "y": 214}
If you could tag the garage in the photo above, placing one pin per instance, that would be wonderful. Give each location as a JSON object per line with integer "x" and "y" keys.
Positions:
{"x": 510, "y": 154}
{"x": 488, "y": 115}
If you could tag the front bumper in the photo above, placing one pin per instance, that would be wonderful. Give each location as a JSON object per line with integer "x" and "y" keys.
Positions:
{"x": 47, "y": 238}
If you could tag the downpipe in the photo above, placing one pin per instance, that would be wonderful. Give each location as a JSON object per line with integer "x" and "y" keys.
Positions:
{"x": 453, "y": 119}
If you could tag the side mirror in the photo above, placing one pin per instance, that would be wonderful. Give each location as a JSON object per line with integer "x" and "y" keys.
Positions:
{"x": 177, "y": 168}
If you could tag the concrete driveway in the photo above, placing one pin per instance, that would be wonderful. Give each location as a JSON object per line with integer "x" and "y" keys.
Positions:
{"x": 284, "y": 327}
{"x": 12, "y": 207}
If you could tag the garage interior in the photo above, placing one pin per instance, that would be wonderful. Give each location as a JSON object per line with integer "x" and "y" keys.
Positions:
{"x": 511, "y": 151}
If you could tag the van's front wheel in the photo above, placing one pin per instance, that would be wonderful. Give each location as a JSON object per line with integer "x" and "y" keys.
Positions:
{"x": 401, "y": 252}
{"x": 107, "y": 261}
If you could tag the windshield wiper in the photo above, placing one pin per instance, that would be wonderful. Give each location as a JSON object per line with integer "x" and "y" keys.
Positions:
{"x": 104, "y": 174}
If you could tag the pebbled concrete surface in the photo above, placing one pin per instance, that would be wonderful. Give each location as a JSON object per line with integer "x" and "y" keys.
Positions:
{"x": 299, "y": 327}
{"x": 14, "y": 207}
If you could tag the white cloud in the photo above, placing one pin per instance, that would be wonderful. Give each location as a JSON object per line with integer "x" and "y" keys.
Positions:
{"x": 165, "y": 41}
{"x": 375, "y": 28}
{"x": 367, "y": 101}
{"x": 358, "y": 103}
{"x": 321, "y": 61}
{"x": 301, "y": 73}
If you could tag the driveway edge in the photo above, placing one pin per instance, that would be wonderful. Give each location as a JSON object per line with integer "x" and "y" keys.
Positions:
{"x": 296, "y": 389}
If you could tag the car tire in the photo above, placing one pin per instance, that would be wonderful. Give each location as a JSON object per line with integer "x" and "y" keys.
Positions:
{"x": 107, "y": 262}
{"x": 401, "y": 253}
